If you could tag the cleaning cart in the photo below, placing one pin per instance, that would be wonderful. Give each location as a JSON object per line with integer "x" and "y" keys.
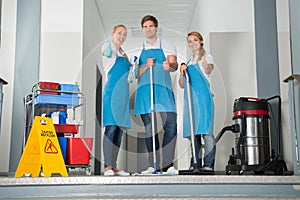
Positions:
{"x": 65, "y": 104}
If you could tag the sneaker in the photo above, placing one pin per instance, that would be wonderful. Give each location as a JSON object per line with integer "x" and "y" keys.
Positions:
{"x": 206, "y": 169}
{"x": 172, "y": 171}
{"x": 122, "y": 173}
{"x": 109, "y": 173}
{"x": 150, "y": 170}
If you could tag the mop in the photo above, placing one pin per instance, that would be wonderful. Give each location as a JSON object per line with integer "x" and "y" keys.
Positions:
{"x": 194, "y": 170}
{"x": 152, "y": 119}
{"x": 153, "y": 125}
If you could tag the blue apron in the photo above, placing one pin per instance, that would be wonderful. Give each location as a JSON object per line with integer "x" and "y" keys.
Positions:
{"x": 202, "y": 103}
{"x": 163, "y": 95}
{"x": 116, "y": 106}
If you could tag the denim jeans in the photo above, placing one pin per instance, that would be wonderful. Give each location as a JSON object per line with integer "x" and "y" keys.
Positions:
{"x": 209, "y": 151}
{"x": 169, "y": 122}
{"x": 111, "y": 145}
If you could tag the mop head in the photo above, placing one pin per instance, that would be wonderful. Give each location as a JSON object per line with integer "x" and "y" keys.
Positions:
{"x": 158, "y": 173}
{"x": 196, "y": 171}
{"x": 152, "y": 174}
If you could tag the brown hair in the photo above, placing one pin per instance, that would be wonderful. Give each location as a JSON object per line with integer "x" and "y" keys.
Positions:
{"x": 202, "y": 51}
{"x": 149, "y": 18}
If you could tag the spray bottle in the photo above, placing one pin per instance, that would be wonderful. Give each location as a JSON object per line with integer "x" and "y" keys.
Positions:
{"x": 108, "y": 51}
{"x": 133, "y": 71}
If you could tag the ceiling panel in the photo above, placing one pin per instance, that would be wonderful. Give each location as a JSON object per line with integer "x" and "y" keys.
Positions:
{"x": 171, "y": 14}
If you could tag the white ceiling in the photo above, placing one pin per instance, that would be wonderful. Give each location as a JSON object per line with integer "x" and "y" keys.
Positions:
{"x": 171, "y": 14}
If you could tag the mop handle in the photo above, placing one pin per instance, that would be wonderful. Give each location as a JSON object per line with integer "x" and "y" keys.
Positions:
{"x": 151, "y": 91}
{"x": 188, "y": 89}
{"x": 152, "y": 118}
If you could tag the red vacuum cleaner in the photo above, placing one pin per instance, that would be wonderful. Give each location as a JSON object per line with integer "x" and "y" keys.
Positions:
{"x": 252, "y": 151}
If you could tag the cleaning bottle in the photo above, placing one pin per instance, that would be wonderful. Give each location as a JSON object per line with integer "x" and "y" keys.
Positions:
{"x": 62, "y": 116}
{"x": 54, "y": 117}
{"x": 133, "y": 70}
{"x": 108, "y": 50}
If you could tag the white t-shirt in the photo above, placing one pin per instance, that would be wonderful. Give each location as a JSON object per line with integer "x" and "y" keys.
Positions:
{"x": 168, "y": 47}
{"x": 209, "y": 60}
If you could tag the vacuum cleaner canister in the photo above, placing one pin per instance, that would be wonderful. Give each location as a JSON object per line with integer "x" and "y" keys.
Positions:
{"x": 252, "y": 150}
{"x": 252, "y": 142}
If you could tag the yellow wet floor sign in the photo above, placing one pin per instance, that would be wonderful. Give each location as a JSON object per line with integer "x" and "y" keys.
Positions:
{"x": 42, "y": 150}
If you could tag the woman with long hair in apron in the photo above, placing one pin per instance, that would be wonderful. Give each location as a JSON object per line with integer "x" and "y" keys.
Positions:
{"x": 116, "y": 106}
{"x": 199, "y": 68}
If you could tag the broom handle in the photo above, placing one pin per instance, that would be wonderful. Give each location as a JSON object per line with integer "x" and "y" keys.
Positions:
{"x": 188, "y": 89}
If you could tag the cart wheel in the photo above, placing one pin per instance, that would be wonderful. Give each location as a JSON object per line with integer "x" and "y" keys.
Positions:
{"x": 280, "y": 168}
{"x": 88, "y": 171}
{"x": 259, "y": 172}
{"x": 228, "y": 172}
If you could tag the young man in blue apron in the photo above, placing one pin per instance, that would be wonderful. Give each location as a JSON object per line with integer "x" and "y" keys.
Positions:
{"x": 161, "y": 56}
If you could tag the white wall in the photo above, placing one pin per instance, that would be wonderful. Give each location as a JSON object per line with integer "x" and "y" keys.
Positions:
{"x": 61, "y": 41}
{"x": 93, "y": 37}
{"x": 234, "y": 77}
{"x": 7, "y": 61}
{"x": 223, "y": 16}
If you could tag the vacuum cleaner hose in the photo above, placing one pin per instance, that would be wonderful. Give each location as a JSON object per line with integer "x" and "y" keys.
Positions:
{"x": 235, "y": 128}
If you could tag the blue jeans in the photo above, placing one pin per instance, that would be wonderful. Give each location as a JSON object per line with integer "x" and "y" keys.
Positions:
{"x": 209, "y": 151}
{"x": 169, "y": 122}
{"x": 111, "y": 145}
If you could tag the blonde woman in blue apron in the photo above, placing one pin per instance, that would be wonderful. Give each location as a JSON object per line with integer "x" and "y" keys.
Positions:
{"x": 161, "y": 56}
{"x": 199, "y": 68}
{"x": 116, "y": 107}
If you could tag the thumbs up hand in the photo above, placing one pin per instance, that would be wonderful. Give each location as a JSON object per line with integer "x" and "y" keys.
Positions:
{"x": 166, "y": 64}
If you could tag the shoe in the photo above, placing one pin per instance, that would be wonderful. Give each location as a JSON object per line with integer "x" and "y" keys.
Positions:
{"x": 172, "y": 171}
{"x": 122, "y": 173}
{"x": 206, "y": 169}
{"x": 164, "y": 169}
{"x": 109, "y": 173}
{"x": 150, "y": 170}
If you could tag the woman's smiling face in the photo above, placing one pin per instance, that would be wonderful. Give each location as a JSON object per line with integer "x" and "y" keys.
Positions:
{"x": 194, "y": 42}
{"x": 119, "y": 35}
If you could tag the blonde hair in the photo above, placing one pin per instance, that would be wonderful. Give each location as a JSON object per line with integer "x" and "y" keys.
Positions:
{"x": 202, "y": 51}
{"x": 114, "y": 30}
{"x": 118, "y": 26}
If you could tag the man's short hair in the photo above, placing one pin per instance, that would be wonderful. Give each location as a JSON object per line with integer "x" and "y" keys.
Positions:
{"x": 149, "y": 18}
